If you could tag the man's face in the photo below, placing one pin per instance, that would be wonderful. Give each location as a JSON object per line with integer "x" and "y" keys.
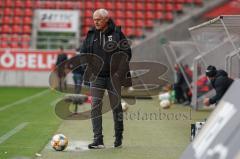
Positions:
{"x": 100, "y": 22}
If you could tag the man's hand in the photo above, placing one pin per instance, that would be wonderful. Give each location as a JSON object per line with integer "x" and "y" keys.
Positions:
{"x": 206, "y": 101}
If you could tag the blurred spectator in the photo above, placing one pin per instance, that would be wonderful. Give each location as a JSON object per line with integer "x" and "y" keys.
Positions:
{"x": 180, "y": 81}
{"x": 203, "y": 85}
{"x": 182, "y": 92}
{"x": 61, "y": 69}
{"x": 220, "y": 82}
{"x": 78, "y": 78}
{"x": 187, "y": 90}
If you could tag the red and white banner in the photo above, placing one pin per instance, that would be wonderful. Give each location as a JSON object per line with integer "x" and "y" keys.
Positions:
{"x": 57, "y": 20}
{"x": 29, "y": 60}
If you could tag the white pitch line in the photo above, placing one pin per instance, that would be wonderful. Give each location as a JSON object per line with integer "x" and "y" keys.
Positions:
{"x": 12, "y": 132}
{"x": 23, "y": 100}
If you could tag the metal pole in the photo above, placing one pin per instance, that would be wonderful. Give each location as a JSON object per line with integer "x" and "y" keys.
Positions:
{"x": 195, "y": 78}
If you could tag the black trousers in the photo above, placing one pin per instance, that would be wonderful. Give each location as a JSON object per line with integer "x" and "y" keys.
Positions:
{"x": 98, "y": 88}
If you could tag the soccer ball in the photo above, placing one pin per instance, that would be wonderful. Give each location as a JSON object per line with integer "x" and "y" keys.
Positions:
{"x": 59, "y": 142}
{"x": 165, "y": 104}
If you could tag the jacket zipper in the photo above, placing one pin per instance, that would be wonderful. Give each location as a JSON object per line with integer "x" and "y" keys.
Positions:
{"x": 103, "y": 40}
{"x": 100, "y": 38}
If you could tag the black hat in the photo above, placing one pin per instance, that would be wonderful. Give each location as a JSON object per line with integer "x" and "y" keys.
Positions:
{"x": 211, "y": 71}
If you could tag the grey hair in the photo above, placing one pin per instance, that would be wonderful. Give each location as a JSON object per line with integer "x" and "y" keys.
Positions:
{"x": 102, "y": 12}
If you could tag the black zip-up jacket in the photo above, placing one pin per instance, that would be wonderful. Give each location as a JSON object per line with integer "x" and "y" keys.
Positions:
{"x": 104, "y": 45}
{"x": 220, "y": 83}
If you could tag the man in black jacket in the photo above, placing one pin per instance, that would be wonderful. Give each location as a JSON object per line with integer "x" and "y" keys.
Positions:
{"x": 107, "y": 42}
{"x": 220, "y": 82}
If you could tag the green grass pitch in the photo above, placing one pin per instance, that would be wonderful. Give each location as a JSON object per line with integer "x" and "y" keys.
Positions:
{"x": 144, "y": 137}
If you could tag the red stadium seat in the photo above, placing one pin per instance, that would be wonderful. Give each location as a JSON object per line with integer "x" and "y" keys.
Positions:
{"x": 149, "y": 6}
{"x": 119, "y": 22}
{"x": 26, "y": 38}
{"x": 148, "y": 23}
{"x": 88, "y": 22}
{"x": 111, "y": 14}
{"x": 169, "y": 7}
{"x": 9, "y": 3}
{"x": 129, "y": 32}
{"x": 198, "y": 2}
{"x": 179, "y": 1}
{"x": 119, "y": 5}
{"x": 119, "y": 14}
{"x": 4, "y": 45}
{"x": 149, "y": 15}
{"x": 18, "y": 12}
{"x": 59, "y": 5}
{"x": 169, "y": 1}
{"x": 130, "y": 6}
{"x": 28, "y": 12}
{"x": 129, "y": 23}
{"x": 159, "y": 7}
{"x": 159, "y": 15}
{"x": 79, "y": 5}
{"x": 99, "y": 5}
{"x": 6, "y": 29}
{"x": 109, "y": 5}
{"x": 138, "y": 32}
{"x": 8, "y": 11}
{"x": 49, "y": 4}
{"x": 27, "y": 29}
{"x": 139, "y": 6}
{"x": 14, "y": 45}
{"x": 140, "y": 15}
{"x": 1, "y": 5}
{"x": 28, "y": 4}
{"x": 4, "y": 37}
{"x": 17, "y": 29}
{"x": 69, "y": 5}
{"x": 89, "y": 5}
{"x": 25, "y": 45}
{"x": 129, "y": 14}
{"x": 15, "y": 38}
{"x": 19, "y": 4}
{"x": 27, "y": 20}
{"x": 188, "y": 1}
{"x": 88, "y": 13}
{"x": 17, "y": 20}
{"x": 169, "y": 16}
{"x": 178, "y": 7}
{"x": 140, "y": 23}
{"x": 38, "y": 4}
{"x": 6, "y": 20}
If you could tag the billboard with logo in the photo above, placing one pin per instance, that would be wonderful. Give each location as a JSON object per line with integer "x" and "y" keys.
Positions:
{"x": 29, "y": 60}
{"x": 57, "y": 20}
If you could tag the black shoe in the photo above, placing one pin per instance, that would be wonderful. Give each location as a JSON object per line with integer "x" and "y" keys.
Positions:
{"x": 118, "y": 141}
{"x": 97, "y": 144}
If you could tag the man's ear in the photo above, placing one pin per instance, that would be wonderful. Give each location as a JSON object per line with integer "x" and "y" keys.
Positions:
{"x": 107, "y": 19}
